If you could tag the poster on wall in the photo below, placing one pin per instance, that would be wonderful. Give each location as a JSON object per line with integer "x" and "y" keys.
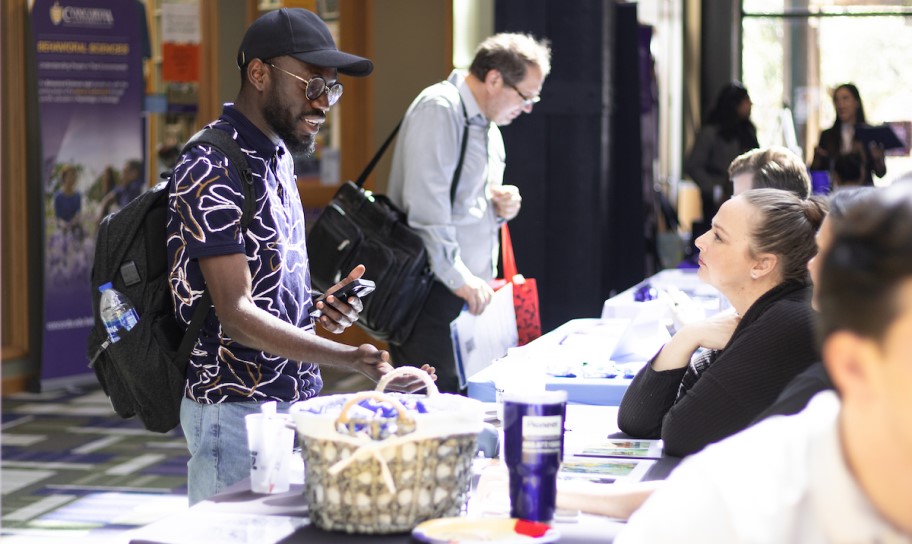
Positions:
{"x": 180, "y": 29}
{"x": 90, "y": 90}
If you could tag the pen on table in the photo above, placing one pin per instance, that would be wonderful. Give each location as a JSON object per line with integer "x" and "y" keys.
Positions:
{"x": 590, "y": 480}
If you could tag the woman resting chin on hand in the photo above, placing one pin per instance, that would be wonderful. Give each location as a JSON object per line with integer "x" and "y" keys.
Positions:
{"x": 755, "y": 254}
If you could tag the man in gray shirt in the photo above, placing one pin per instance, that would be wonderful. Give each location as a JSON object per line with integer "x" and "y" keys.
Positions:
{"x": 460, "y": 233}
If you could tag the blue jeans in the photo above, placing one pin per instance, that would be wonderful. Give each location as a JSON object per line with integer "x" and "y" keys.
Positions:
{"x": 217, "y": 440}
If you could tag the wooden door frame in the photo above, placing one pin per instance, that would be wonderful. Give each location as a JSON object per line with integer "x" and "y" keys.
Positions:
{"x": 14, "y": 21}
{"x": 210, "y": 104}
{"x": 356, "y": 37}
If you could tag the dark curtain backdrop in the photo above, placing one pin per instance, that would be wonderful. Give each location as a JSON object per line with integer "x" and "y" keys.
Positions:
{"x": 576, "y": 158}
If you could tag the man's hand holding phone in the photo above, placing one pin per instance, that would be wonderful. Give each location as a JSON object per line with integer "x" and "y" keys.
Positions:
{"x": 356, "y": 289}
{"x": 340, "y": 306}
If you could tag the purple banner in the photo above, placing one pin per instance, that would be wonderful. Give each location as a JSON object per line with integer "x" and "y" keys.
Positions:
{"x": 90, "y": 91}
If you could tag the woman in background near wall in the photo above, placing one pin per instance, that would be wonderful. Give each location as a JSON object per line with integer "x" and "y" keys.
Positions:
{"x": 840, "y": 139}
{"x": 726, "y": 133}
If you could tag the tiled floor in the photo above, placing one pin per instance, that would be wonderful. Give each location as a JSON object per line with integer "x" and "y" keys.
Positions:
{"x": 71, "y": 470}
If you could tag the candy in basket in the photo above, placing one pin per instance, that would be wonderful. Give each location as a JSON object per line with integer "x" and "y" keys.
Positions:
{"x": 384, "y": 462}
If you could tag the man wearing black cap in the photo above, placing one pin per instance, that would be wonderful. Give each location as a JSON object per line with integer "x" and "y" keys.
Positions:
{"x": 259, "y": 343}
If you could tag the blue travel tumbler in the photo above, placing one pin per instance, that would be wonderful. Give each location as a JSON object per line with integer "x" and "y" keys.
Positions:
{"x": 533, "y": 449}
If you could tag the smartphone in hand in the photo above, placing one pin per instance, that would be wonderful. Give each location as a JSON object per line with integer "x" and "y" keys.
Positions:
{"x": 357, "y": 288}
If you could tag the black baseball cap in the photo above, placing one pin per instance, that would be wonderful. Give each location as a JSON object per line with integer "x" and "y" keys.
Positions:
{"x": 301, "y": 34}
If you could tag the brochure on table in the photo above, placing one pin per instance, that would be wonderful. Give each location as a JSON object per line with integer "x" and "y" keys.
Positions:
{"x": 604, "y": 470}
{"x": 623, "y": 447}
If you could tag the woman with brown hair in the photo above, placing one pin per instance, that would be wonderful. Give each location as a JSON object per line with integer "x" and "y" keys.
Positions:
{"x": 756, "y": 255}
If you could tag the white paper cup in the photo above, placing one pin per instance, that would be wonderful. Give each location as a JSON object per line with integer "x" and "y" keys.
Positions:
{"x": 271, "y": 443}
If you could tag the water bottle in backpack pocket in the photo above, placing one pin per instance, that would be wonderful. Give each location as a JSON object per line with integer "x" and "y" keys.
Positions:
{"x": 116, "y": 311}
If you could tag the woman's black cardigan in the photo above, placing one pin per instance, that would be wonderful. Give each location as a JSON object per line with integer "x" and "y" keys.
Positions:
{"x": 773, "y": 343}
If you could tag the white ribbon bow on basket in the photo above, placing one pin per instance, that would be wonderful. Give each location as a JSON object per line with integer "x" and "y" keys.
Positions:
{"x": 405, "y": 423}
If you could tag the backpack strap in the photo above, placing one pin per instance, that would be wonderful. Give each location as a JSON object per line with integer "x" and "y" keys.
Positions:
{"x": 453, "y": 183}
{"x": 237, "y": 159}
{"x": 462, "y": 150}
{"x": 221, "y": 140}
{"x": 370, "y": 166}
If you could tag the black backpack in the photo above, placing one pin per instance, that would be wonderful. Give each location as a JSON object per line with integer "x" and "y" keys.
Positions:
{"x": 144, "y": 373}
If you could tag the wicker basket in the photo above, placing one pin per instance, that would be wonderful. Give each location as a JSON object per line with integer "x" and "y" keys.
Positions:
{"x": 359, "y": 480}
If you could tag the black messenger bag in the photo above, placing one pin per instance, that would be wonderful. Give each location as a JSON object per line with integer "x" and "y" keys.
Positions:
{"x": 361, "y": 227}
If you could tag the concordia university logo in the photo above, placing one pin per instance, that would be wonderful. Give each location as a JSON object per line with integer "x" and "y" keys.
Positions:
{"x": 74, "y": 16}
{"x": 56, "y": 13}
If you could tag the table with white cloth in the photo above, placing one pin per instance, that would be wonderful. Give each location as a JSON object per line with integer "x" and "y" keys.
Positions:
{"x": 527, "y": 366}
{"x": 239, "y": 515}
{"x": 594, "y": 359}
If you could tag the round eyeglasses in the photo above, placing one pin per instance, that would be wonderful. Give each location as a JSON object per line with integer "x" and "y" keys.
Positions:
{"x": 527, "y": 101}
{"x": 316, "y": 86}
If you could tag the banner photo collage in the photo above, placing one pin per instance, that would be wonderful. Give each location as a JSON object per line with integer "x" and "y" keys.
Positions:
{"x": 90, "y": 93}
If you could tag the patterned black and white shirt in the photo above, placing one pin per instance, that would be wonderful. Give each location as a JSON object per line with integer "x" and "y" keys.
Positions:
{"x": 204, "y": 221}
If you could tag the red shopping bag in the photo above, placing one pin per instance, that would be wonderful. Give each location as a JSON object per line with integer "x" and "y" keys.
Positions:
{"x": 525, "y": 292}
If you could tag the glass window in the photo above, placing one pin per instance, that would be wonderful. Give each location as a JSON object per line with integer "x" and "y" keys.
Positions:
{"x": 794, "y": 7}
{"x": 795, "y": 53}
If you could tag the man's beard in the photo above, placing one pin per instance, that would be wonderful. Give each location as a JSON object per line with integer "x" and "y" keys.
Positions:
{"x": 279, "y": 117}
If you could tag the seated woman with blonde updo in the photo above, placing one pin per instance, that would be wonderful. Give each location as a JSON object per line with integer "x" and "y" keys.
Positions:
{"x": 756, "y": 255}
